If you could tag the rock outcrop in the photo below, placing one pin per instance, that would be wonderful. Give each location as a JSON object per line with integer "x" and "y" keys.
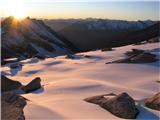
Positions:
{"x": 8, "y": 84}
{"x": 12, "y": 107}
{"x": 153, "y": 102}
{"x": 134, "y": 52}
{"x": 137, "y": 56}
{"x": 33, "y": 85}
{"x": 121, "y": 105}
{"x": 144, "y": 58}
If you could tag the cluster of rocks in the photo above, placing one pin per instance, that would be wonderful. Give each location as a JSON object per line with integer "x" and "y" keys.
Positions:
{"x": 123, "y": 105}
{"x": 12, "y": 106}
{"x": 9, "y": 85}
{"x": 137, "y": 56}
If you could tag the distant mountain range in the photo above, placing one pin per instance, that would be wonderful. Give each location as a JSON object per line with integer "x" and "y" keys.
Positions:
{"x": 48, "y": 38}
{"x": 99, "y": 24}
{"x": 89, "y": 34}
{"x": 30, "y": 37}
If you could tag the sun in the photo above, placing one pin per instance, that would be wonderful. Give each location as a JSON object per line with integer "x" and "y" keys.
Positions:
{"x": 16, "y": 8}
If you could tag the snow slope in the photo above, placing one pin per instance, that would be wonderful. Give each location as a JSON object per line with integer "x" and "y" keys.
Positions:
{"x": 68, "y": 81}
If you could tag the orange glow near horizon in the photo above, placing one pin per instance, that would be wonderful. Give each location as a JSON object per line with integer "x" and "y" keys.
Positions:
{"x": 53, "y": 9}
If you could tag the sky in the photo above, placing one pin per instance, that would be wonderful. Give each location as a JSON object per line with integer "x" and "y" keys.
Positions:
{"x": 107, "y": 9}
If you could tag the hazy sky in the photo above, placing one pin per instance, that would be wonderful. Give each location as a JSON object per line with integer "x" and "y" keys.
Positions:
{"x": 126, "y": 10}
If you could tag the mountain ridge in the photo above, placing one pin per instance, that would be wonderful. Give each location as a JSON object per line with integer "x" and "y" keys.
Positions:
{"x": 29, "y": 37}
{"x": 90, "y": 34}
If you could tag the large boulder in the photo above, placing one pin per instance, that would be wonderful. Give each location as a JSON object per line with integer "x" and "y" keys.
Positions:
{"x": 12, "y": 107}
{"x": 8, "y": 84}
{"x": 121, "y": 105}
{"x": 33, "y": 85}
{"x": 153, "y": 102}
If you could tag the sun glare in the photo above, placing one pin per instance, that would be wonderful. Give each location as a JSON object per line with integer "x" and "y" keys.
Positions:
{"x": 16, "y": 8}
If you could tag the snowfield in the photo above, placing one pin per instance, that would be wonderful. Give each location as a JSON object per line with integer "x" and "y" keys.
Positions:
{"x": 68, "y": 81}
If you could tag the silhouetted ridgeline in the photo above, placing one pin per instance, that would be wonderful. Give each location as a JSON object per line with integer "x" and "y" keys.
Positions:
{"x": 90, "y": 34}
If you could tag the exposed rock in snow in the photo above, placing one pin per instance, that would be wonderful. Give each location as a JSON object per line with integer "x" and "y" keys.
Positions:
{"x": 153, "y": 102}
{"x": 12, "y": 107}
{"x": 134, "y": 52}
{"x": 8, "y": 84}
{"x": 121, "y": 105}
{"x": 33, "y": 85}
{"x": 137, "y": 56}
{"x": 144, "y": 58}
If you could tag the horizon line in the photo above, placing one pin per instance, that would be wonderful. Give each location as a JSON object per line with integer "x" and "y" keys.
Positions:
{"x": 82, "y": 18}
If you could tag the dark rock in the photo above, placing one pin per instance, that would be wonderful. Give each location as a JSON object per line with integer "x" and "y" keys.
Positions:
{"x": 87, "y": 56}
{"x": 33, "y": 85}
{"x": 41, "y": 57}
{"x": 153, "y": 102}
{"x": 12, "y": 107}
{"x": 15, "y": 65}
{"x": 137, "y": 51}
{"x": 134, "y": 52}
{"x": 98, "y": 99}
{"x": 8, "y": 84}
{"x": 138, "y": 58}
{"x": 121, "y": 105}
{"x": 144, "y": 58}
{"x": 158, "y": 81}
{"x": 123, "y": 61}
